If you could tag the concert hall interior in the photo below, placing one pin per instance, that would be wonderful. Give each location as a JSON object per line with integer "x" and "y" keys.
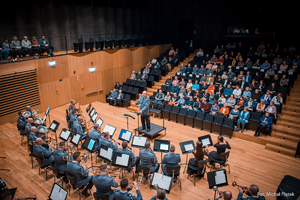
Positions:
{"x": 153, "y": 99}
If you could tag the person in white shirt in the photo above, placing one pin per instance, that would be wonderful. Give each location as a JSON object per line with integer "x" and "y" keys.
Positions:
{"x": 237, "y": 92}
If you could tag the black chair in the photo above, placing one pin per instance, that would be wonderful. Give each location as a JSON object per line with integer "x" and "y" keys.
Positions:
{"x": 254, "y": 120}
{"x": 197, "y": 171}
{"x": 223, "y": 161}
{"x": 175, "y": 171}
{"x": 217, "y": 124}
{"x": 98, "y": 196}
{"x": 173, "y": 113}
{"x": 166, "y": 112}
{"x": 135, "y": 92}
{"x": 72, "y": 181}
{"x": 89, "y": 45}
{"x": 57, "y": 175}
{"x": 150, "y": 81}
{"x": 207, "y": 122}
{"x": 126, "y": 100}
{"x": 227, "y": 127}
{"x": 152, "y": 97}
{"x": 44, "y": 167}
{"x": 78, "y": 46}
{"x": 181, "y": 115}
{"x": 145, "y": 171}
{"x": 198, "y": 120}
{"x": 108, "y": 44}
{"x": 189, "y": 118}
{"x": 125, "y": 88}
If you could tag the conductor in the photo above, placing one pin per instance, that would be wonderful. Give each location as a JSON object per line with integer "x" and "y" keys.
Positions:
{"x": 144, "y": 102}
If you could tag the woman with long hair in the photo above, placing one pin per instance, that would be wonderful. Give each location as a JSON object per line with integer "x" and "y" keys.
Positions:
{"x": 198, "y": 153}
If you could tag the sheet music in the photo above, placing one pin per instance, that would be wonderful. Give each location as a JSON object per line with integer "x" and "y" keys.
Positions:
{"x": 95, "y": 116}
{"x": 99, "y": 122}
{"x": 126, "y": 135}
{"x": 92, "y": 112}
{"x": 53, "y": 126}
{"x": 106, "y": 153}
{"x": 110, "y": 129}
{"x": 65, "y": 134}
{"x": 162, "y": 181}
{"x": 164, "y": 146}
{"x": 91, "y": 144}
{"x": 122, "y": 160}
{"x": 188, "y": 147}
{"x": 76, "y": 138}
{"x": 58, "y": 193}
{"x": 139, "y": 141}
{"x": 220, "y": 177}
{"x": 205, "y": 141}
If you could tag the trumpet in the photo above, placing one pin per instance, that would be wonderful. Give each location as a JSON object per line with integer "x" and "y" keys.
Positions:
{"x": 215, "y": 188}
{"x": 67, "y": 158}
{"x": 245, "y": 190}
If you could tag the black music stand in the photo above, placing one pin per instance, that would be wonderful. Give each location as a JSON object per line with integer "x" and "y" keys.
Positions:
{"x": 186, "y": 148}
{"x": 138, "y": 117}
{"x": 88, "y": 108}
{"x": 139, "y": 141}
{"x": 53, "y": 127}
{"x": 105, "y": 153}
{"x": 58, "y": 193}
{"x": 110, "y": 129}
{"x": 75, "y": 140}
{"x": 217, "y": 179}
{"x": 65, "y": 134}
{"x": 206, "y": 140}
{"x": 89, "y": 145}
{"x": 127, "y": 116}
{"x": 162, "y": 181}
{"x": 94, "y": 117}
{"x": 161, "y": 146}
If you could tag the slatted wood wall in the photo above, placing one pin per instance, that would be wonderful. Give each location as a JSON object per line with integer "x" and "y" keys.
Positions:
{"x": 17, "y": 91}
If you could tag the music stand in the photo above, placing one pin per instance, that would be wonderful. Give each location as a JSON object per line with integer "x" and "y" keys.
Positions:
{"x": 99, "y": 122}
{"x": 138, "y": 121}
{"x": 206, "y": 140}
{"x": 217, "y": 178}
{"x": 105, "y": 153}
{"x": 161, "y": 146}
{"x": 53, "y": 127}
{"x": 127, "y": 116}
{"x": 88, "y": 108}
{"x": 186, "y": 148}
{"x": 94, "y": 117}
{"x": 110, "y": 129}
{"x": 89, "y": 145}
{"x": 139, "y": 141}
{"x": 75, "y": 139}
{"x": 162, "y": 181}
{"x": 65, "y": 134}
{"x": 45, "y": 117}
{"x": 120, "y": 160}
{"x": 125, "y": 135}
{"x": 92, "y": 111}
{"x": 58, "y": 193}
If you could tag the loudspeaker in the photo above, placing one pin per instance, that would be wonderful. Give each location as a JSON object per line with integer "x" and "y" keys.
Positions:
{"x": 289, "y": 189}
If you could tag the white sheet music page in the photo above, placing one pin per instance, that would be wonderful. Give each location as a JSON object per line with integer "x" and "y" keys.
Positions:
{"x": 94, "y": 117}
{"x": 109, "y": 129}
{"x": 162, "y": 181}
{"x": 164, "y": 146}
{"x": 139, "y": 141}
{"x": 65, "y": 134}
{"x": 188, "y": 147}
{"x": 205, "y": 141}
{"x": 99, "y": 122}
{"x": 58, "y": 193}
{"x": 53, "y": 126}
{"x": 126, "y": 135}
{"x": 76, "y": 138}
{"x": 220, "y": 177}
{"x": 106, "y": 153}
{"x": 122, "y": 160}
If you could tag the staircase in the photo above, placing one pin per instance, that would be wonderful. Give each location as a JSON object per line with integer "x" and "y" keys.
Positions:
{"x": 285, "y": 135}
{"x": 157, "y": 85}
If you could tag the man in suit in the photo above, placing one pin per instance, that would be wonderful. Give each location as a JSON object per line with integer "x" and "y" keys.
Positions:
{"x": 210, "y": 79}
{"x": 81, "y": 175}
{"x": 148, "y": 158}
{"x": 248, "y": 77}
{"x": 144, "y": 102}
{"x": 123, "y": 193}
{"x": 42, "y": 152}
{"x": 171, "y": 159}
{"x": 96, "y": 136}
{"x": 243, "y": 84}
{"x": 72, "y": 105}
{"x": 225, "y": 81}
{"x": 112, "y": 97}
{"x": 133, "y": 160}
{"x": 253, "y": 193}
{"x": 144, "y": 76}
{"x": 28, "y": 126}
{"x": 60, "y": 163}
{"x": 106, "y": 141}
{"x": 21, "y": 123}
{"x": 119, "y": 98}
{"x": 103, "y": 182}
{"x": 73, "y": 116}
{"x": 78, "y": 128}
{"x": 159, "y": 97}
{"x": 34, "y": 134}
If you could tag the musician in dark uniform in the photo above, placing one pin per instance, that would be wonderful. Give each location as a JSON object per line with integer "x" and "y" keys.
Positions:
{"x": 171, "y": 159}
{"x": 78, "y": 128}
{"x": 221, "y": 146}
{"x": 58, "y": 154}
{"x": 103, "y": 182}
{"x": 40, "y": 151}
{"x": 159, "y": 195}
{"x": 123, "y": 194}
{"x": 144, "y": 103}
{"x": 21, "y": 123}
{"x": 29, "y": 109}
{"x": 95, "y": 135}
{"x": 253, "y": 193}
{"x": 133, "y": 160}
{"x": 73, "y": 116}
{"x": 28, "y": 127}
{"x": 81, "y": 175}
{"x": 148, "y": 158}
{"x": 106, "y": 141}
{"x": 33, "y": 134}
{"x": 72, "y": 105}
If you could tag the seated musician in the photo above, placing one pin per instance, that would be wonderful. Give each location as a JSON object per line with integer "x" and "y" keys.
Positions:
{"x": 171, "y": 159}
{"x": 133, "y": 159}
{"x": 28, "y": 126}
{"x": 123, "y": 193}
{"x": 34, "y": 134}
{"x": 227, "y": 195}
{"x": 221, "y": 146}
{"x": 96, "y": 136}
{"x": 103, "y": 182}
{"x": 199, "y": 153}
{"x": 58, "y": 155}
{"x": 148, "y": 158}
{"x": 81, "y": 175}
{"x": 29, "y": 109}
{"x": 78, "y": 128}
{"x": 159, "y": 195}
{"x": 72, "y": 105}
{"x": 40, "y": 151}
{"x": 73, "y": 116}
{"x": 253, "y": 193}
{"x": 21, "y": 123}
{"x": 105, "y": 140}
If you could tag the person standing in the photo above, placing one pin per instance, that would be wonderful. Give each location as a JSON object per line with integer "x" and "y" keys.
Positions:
{"x": 144, "y": 103}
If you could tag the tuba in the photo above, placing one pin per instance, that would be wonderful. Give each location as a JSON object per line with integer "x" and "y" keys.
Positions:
{"x": 35, "y": 113}
{"x": 26, "y": 114}
{"x": 38, "y": 121}
{"x": 42, "y": 129}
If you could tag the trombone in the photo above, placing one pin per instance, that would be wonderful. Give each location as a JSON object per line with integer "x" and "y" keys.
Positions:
{"x": 215, "y": 188}
{"x": 245, "y": 189}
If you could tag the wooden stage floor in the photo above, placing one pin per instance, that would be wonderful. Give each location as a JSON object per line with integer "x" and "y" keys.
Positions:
{"x": 250, "y": 163}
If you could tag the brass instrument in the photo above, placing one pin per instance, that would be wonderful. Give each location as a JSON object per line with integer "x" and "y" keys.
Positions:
{"x": 38, "y": 121}
{"x": 35, "y": 113}
{"x": 113, "y": 140}
{"x": 85, "y": 156}
{"x": 96, "y": 172}
{"x": 42, "y": 129}
{"x": 26, "y": 114}
{"x": 245, "y": 190}
{"x": 67, "y": 158}
{"x": 33, "y": 142}
{"x": 215, "y": 188}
